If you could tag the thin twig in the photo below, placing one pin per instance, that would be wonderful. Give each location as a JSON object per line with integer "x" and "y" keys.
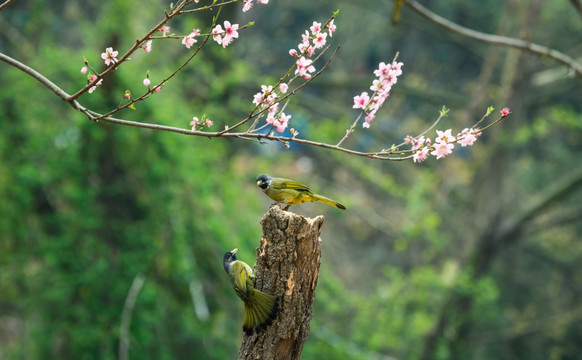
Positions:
{"x": 5, "y": 4}
{"x": 351, "y": 129}
{"x": 496, "y": 39}
{"x": 126, "y": 316}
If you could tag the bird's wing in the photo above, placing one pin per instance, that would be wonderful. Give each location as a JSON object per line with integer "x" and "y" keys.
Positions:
{"x": 241, "y": 275}
{"x": 281, "y": 183}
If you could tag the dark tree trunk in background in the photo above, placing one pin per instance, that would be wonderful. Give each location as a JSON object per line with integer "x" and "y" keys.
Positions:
{"x": 287, "y": 266}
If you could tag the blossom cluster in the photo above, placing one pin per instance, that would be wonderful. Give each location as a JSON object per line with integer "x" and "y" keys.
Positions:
{"x": 200, "y": 122}
{"x": 387, "y": 76}
{"x": 444, "y": 142}
{"x": 266, "y": 99}
{"x": 311, "y": 40}
{"x": 225, "y": 36}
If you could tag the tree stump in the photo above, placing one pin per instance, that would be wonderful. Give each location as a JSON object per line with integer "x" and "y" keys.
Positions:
{"x": 287, "y": 266}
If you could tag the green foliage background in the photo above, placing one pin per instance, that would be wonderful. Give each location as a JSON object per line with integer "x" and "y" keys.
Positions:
{"x": 86, "y": 207}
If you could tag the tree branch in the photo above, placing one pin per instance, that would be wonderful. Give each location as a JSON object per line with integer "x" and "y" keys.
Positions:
{"x": 5, "y": 4}
{"x": 496, "y": 39}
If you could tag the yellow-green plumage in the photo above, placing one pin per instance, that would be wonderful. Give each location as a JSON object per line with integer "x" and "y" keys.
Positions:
{"x": 260, "y": 308}
{"x": 289, "y": 192}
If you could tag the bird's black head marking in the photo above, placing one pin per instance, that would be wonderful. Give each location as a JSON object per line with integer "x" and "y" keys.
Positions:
{"x": 263, "y": 181}
{"x": 229, "y": 258}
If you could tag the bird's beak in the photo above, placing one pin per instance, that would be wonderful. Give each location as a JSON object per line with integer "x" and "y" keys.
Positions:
{"x": 258, "y": 183}
{"x": 235, "y": 250}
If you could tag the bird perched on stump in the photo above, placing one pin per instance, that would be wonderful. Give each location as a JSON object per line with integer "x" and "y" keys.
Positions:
{"x": 260, "y": 308}
{"x": 290, "y": 192}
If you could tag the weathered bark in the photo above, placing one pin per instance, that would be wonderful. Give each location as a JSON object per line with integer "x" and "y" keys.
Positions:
{"x": 287, "y": 266}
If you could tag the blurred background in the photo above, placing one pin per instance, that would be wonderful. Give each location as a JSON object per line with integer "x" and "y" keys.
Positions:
{"x": 476, "y": 256}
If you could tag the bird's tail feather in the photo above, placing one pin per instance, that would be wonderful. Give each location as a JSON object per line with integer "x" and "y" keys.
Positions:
{"x": 329, "y": 201}
{"x": 260, "y": 311}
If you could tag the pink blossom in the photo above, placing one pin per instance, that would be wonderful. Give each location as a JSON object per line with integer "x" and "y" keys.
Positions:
{"x": 94, "y": 87}
{"x": 231, "y": 33}
{"x": 304, "y": 67}
{"x": 195, "y": 122}
{"x": 442, "y": 149}
{"x": 281, "y": 122}
{"x": 267, "y": 90}
{"x": 109, "y": 56}
{"x": 293, "y": 52}
{"x": 370, "y": 116}
{"x": 505, "y": 111}
{"x": 467, "y": 137}
{"x": 189, "y": 40}
{"x": 283, "y": 87}
{"x": 444, "y": 137}
{"x": 417, "y": 143}
{"x": 270, "y": 119}
{"x": 366, "y": 124}
{"x": 319, "y": 40}
{"x": 378, "y": 100}
{"x": 127, "y": 96}
{"x": 258, "y": 98}
{"x": 331, "y": 28}
{"x": 247, "y": 5}
{"x": 84, "y": 69}
{"x": 146, "y": 82}
{"x": 157, "y": 88}
{"x": 391, "y": 78}
{"x": 420, "y": 155}
{"x": 265, "y": 97}
{"x": 217, "y": 34}
{"x": 165, "y": 30}
{"x": 306, "y": 48}
{"x": 273, "y": 109}
{"x": 147, "y": 46}
{"x": 380, "y": 84}
{"x": 383, "y": 70}
{"x": 397, "y": 67}
{"x": 315, "y": 28}
{"x": 305, "y": 38}
{"x": 361, "y": 101}
{"x": 208, "y": 122}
